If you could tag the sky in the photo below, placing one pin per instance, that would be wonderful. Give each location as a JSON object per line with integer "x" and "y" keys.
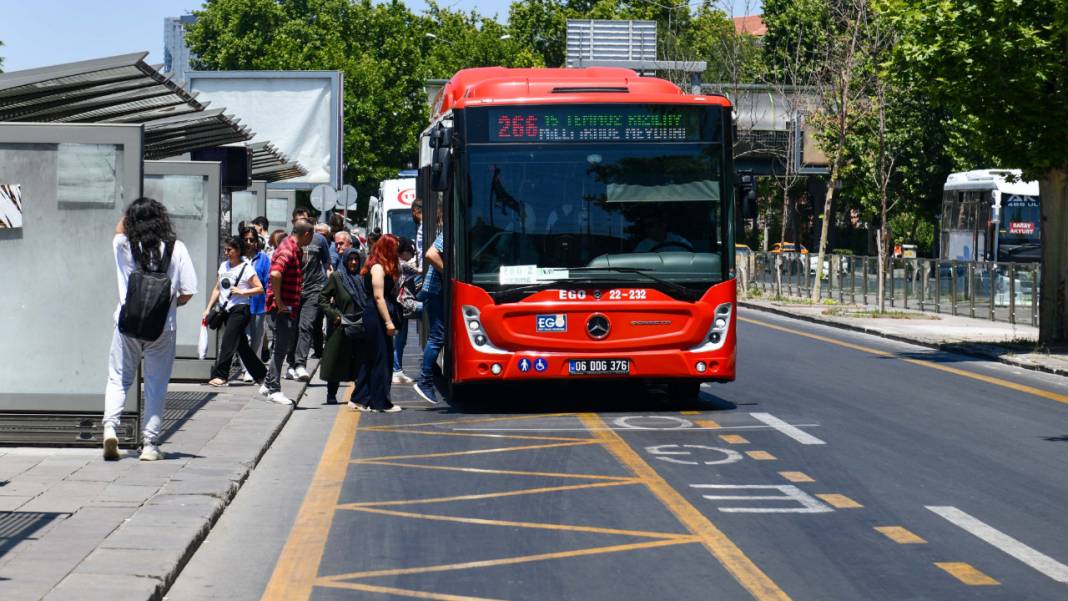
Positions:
{"x": 38, "y": 33}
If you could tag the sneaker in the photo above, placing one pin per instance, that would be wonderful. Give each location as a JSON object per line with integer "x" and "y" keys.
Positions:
{"x": 264, "y": 391}
{"x": 246, "y": 378}
{"x": 392, "y": 409}
{"x": 330, "y": 400}
{"x": 399, "y": 377}
{"x": 358, "y": 407}
{"x": 280, "y": 398}
{"x": 427, "y": 392}
{"x": 111, "y": 444}
{"x": 291, "y": 374}
{"x": 302, "y": 374}
{"x": 151, "y": 452}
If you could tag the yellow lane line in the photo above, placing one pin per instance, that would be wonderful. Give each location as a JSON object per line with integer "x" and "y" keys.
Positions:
{"x": 400, "y": 592}
{"x": 473, "y": 420}
{"x": 1046, "y": 394}
{"x": 298, "y": 564}
{"x": 707, "y": 423}
{"x": 796, "y": 476}
{"x": 478, "y": 470}
{"x": 751, "y": 577}
{"x": 760, "y": 455}
{"x": 401, "y": 430}
{"x": 734, "y": 439}
{"x": 967, "y": 574}
{"x": 478, "y": 451}
{"x": 839, "y": 501}
{"x": 507, "y": 523}
{"x": 492, "y": 495}
{"x": 689, "y": 413}
{"x": 899, "y": 535}
{"x": 489, "y": 563}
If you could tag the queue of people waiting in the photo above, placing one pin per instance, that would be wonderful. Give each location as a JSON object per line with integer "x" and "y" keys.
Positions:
{"x": 278, "y": 299}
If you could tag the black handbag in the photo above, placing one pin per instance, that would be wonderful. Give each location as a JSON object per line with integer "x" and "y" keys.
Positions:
{"x": 216, "y": 317}
{"x": 353, "y": 326}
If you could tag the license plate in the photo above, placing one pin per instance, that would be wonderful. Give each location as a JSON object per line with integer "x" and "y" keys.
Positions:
{"x": 599, "y": 367}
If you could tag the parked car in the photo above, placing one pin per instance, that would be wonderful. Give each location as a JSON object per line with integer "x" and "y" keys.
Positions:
{"x": 788, "y": 247}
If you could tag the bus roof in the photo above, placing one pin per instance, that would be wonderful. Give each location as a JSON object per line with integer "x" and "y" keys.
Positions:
{"x": 991, "y": 179}
{"x": 487, "y": 86}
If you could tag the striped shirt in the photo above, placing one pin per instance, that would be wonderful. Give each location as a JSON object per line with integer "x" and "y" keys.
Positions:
{"x": 432, "y": 282}
{"x": 286, "y": 260}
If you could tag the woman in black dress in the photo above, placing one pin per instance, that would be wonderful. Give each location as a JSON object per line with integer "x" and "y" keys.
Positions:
{"x": 380, "y": 275}
{"x": 343, "y": 295}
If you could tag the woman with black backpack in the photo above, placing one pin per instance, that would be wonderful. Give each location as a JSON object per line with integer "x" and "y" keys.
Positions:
{"x": 231, "y": 297}
{"x": 155, "y": 277}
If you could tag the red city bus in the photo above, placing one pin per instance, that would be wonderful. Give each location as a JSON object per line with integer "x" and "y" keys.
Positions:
{"x": 588, "y": 227}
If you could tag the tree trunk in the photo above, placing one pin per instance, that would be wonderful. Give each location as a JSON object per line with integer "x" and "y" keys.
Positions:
{"x": 824, "y": 227}
{"x": 1052, "y": 329}
{"x": 785, "y": 213}
{"x": 880, "y": 239}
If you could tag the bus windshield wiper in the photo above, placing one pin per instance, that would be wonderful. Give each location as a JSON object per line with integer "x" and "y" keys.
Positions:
{"x": 678, "y": 289}
{"x": 508, "y": 294}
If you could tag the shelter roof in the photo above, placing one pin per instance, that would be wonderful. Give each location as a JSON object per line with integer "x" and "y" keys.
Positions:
{"x": 271, "y": 165}
{"x": 119, "y": 89}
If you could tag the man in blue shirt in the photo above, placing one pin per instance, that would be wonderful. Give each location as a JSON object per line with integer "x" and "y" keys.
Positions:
{"x": 434, "y": 306}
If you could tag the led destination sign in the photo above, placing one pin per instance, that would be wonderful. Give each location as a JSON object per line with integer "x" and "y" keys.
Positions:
{"x": 556, "y": 124}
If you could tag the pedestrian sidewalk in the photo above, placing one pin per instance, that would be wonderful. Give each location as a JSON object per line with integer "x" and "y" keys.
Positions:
{"x": 1011, "y": 344}
{"x": 73, "y": 526}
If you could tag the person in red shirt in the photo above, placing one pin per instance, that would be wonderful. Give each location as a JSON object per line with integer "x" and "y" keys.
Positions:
{"x": 283, "y": 303}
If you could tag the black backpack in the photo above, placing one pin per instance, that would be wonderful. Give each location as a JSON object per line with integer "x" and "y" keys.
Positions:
{"x": 148, "y": 298}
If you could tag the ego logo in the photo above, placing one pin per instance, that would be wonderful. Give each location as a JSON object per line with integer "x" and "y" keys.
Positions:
{"x": 405, "y": 197}
{"x": 556, "y": 322}
{"x": 572, "y": 294}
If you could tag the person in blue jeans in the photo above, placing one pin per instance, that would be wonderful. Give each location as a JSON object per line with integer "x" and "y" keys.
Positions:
{"x": 409, "y": 307}
{"x": 434, "y": 307}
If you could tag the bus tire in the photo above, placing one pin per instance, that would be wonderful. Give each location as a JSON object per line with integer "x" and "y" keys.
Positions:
{"x": 684, "y": 390}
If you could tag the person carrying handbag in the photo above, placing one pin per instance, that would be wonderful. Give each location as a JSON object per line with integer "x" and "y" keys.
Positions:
{"x": 342, "y": 303}
{"x": 236, "y": 285}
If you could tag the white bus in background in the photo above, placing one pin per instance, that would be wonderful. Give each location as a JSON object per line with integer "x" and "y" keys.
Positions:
{"x": 991, "y": 215}
{"x": 391, "y": 210}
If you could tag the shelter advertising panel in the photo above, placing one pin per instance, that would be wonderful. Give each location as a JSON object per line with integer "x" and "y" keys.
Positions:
{"x": 59, "y": 309}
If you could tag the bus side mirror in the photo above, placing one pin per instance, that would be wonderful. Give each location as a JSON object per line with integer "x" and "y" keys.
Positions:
{"x": 439, "y": 170}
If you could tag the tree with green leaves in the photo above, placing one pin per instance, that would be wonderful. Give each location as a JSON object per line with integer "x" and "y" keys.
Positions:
{"x": 1, "y": 59}
{"x": 458, "y": 40}
{"x": 999, "y": 66}
{"x": 379, "y": 47}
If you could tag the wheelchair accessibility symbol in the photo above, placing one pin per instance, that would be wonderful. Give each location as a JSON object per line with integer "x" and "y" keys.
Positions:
{"x": 540, "y": 365}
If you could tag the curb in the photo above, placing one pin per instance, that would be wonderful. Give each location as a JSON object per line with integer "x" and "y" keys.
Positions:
{"x": 960, "y": 348}
{"x": 183, "y": 512}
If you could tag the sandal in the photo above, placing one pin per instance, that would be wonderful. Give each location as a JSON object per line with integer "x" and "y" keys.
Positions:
{"x": 218, "y": 383}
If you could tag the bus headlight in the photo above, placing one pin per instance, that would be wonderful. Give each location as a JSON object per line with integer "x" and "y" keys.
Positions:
{"x": 476, "y": 333}
{"x": 721, "y": 323}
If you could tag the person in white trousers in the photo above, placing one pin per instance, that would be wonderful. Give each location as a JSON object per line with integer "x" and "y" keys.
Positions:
{"x": 147, "y": 225}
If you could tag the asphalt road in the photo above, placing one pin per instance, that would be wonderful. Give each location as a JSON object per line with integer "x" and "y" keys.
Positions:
{"x": 839, "y": 466}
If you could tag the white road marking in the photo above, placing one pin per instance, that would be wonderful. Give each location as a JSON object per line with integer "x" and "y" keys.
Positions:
{"x": 808, "y": 503}
{"x": 730, "y": 456}
{"x": 792, "y": 431}
{"x": 678, "y": 422}
{"x": 1036, "y": 559}
{"x": 694, "y": 429}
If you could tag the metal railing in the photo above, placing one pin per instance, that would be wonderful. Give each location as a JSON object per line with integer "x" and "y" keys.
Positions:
{"x": 986, "y": 290}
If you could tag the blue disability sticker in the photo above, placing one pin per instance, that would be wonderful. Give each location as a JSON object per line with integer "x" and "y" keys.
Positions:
{"x": 524, "y": 365}
{"x": 541, "y": 364}
{"x": 555, "y": 322}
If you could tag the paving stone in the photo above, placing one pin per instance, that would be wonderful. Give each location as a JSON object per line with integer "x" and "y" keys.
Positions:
{"x": 130, "y": 562}
{"x": 11, "y": 503}
{"x": 65, "y": 497}
{"x": 91, "y": 587}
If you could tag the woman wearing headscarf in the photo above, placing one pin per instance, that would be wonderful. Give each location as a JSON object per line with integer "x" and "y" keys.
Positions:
{"x": 380, "y": 275}
{"x": 341, "y": 297}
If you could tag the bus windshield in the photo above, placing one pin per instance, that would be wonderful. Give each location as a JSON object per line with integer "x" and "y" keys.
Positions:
{"x": 536, "y": 212}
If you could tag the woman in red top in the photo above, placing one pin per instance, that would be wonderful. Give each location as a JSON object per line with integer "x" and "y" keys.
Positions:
{"x": 380, "y": 274}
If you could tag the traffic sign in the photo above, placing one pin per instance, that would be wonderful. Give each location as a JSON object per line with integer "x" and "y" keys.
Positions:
{"x": 347, "y": 199}
{"x": 323, "y": 197}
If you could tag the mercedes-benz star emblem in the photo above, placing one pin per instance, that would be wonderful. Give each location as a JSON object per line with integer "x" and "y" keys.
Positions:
{"x": 598, "y": 326}
{"x": 597, "y": 295}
